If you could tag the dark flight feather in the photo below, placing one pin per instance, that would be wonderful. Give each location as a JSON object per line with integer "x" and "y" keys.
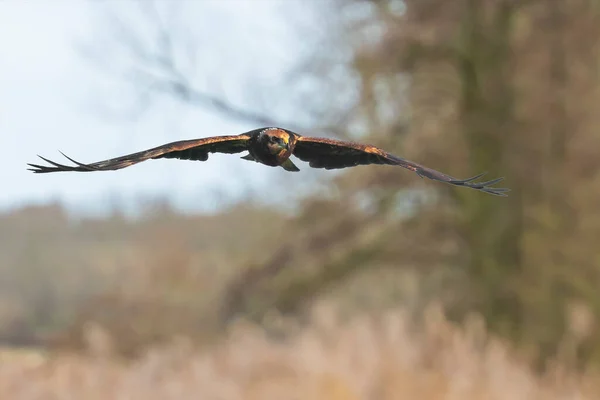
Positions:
{"x": 196, "y": 150}
{"x": 318, "y": 152}
{"x": 334, "y": 154}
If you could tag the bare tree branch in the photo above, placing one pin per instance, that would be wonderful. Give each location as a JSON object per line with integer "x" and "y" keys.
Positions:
{"x": 157, "y": 69}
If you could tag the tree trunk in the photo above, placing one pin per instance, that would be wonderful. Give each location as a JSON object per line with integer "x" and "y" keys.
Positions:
{"x": 493, "y": 226}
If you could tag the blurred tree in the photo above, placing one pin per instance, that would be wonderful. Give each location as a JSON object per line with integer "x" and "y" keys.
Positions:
{"x": 161, "y": 49}
{"x": 501, "y": 86}
{"x": 495, "y": 85}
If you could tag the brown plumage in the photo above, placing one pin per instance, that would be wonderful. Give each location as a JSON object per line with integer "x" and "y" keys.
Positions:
{"x": 273, "y": 147}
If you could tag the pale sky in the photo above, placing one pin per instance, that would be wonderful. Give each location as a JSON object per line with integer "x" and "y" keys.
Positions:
{"x": 46, "y": 89}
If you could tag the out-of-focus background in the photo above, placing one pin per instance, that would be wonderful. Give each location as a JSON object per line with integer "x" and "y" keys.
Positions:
{"x": 227, "y": 279}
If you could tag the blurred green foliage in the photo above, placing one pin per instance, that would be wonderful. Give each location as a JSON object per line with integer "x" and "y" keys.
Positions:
{"x": 477, "y": 85}
{"x": 500, "y": 86}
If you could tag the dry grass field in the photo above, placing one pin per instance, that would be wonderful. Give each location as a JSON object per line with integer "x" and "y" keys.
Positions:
{"x": 368, "y": 357}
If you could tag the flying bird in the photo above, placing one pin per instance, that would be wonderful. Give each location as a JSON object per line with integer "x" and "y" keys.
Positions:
{"x": 273, "y": 147}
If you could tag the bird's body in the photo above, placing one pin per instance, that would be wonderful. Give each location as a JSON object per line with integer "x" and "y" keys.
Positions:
{"x": 273, "y": 147}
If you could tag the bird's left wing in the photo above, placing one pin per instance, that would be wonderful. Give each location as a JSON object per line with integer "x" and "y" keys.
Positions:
{"x": 196, "y": 149}
{"x": 334, "y": 154}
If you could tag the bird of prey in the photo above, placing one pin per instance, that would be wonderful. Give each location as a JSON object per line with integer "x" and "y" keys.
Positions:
{"x": 273, "y": 147}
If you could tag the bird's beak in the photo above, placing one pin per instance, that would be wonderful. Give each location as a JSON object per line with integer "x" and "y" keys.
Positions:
{"x": 285, "y": 141}
{"x": 282, "y": 148}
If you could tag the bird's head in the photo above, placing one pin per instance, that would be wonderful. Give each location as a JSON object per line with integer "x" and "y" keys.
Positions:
{"x": 276, "y": 140}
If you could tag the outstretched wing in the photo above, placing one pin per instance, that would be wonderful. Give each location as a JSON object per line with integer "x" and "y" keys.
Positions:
{"x": 196, "y": 149}
{"x": 334, "y": 154}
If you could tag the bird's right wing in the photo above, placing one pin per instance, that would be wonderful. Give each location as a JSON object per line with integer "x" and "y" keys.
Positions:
{"x": 334, "y": 154}
{"x": 196, "y": 149}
